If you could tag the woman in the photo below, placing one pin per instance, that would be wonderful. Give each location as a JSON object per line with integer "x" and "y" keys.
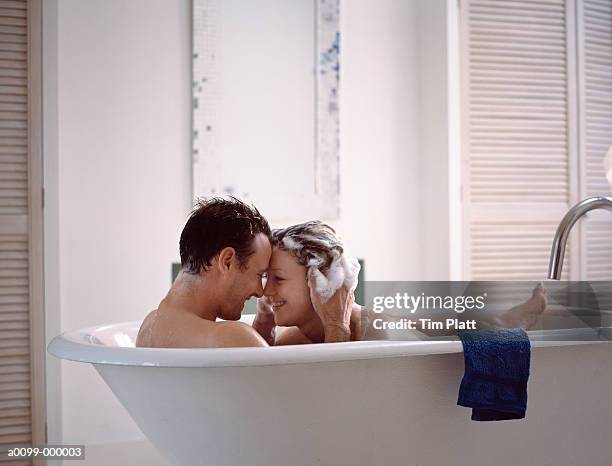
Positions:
{"x": 310, "y": 282}
{"x": 310, "y": 287}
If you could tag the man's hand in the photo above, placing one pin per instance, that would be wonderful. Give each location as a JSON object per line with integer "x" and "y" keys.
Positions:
{"x": 335, "y": 313}
{"x": 264, "y": 320}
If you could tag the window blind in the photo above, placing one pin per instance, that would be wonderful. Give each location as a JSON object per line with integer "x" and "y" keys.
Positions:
{"x": 595, "y": 71}
{"x": 536, "y": 123}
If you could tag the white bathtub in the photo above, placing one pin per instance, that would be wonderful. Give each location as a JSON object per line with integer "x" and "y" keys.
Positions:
{"x": 357, "y": 403}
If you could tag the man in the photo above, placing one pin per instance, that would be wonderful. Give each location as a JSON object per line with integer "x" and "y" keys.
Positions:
{"x": 225, "y": 251}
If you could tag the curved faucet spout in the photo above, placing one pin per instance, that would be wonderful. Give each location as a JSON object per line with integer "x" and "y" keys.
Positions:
{"x": 557, "y": 253}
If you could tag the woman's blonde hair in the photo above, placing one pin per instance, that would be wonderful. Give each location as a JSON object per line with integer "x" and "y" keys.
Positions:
{"x": 313, "y": 243}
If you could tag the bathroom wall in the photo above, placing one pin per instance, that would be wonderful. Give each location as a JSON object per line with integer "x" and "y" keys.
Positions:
{"x": 117, "y": 169}
{"x": 379, "y": 124}
{"x": 117, "y": 175}
{"x": 399, "y": 155}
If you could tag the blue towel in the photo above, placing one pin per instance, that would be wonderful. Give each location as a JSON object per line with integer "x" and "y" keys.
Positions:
{"x": 496, "y": 371}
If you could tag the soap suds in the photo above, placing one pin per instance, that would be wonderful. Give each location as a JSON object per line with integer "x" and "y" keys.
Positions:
{"x": 291, "y": 244}
{"x": 343, "y": 270}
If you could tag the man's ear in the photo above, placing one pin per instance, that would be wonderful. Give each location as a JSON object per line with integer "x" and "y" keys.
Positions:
{"x": 226, "y": 259}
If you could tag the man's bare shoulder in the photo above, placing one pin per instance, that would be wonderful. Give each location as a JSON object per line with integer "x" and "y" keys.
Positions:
{"x": 176, "y": 328}
{"x": 231, "y": 334}
{"x": 145, "y": 333}
{"x": 170, "y": 328}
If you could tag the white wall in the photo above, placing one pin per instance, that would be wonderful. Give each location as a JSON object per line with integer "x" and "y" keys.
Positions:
{"x": 118, "y": 181}
{"x": 380, "y": 171}
{"x": 117, "y": 167}
{"x": 394, "y": 145}
{"x": 434, "y": 142}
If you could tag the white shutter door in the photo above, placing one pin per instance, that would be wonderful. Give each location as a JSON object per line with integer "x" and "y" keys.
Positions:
{"x": 595, "y": 52}
{"x": 516, "y": 101}
{"x": 15, "y": 413}
{"x": 21, "y": 367}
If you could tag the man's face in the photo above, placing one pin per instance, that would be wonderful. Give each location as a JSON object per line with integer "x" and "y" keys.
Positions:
{"x": 246, "y": 282}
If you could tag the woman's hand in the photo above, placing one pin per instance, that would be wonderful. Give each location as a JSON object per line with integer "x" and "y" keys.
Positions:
{"x": 264, "y": 320}
{"x": 335, "y": 313}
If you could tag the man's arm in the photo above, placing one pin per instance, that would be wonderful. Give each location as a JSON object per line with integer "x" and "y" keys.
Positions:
{"x": 264, "y": 323}
{"x": 335, "y": 312}
{"x": 335, "y": 333}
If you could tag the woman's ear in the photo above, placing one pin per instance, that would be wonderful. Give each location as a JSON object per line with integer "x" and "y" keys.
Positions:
{"x": 226, "y": 259}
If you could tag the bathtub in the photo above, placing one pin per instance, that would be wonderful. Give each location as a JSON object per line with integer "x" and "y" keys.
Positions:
{"x": 356, "y": 403}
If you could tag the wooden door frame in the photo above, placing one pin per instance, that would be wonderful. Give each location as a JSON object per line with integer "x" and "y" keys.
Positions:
{"x": 35, "y": 227}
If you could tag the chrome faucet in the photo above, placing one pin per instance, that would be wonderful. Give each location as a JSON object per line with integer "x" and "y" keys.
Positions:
{"x": 563, "y": 230}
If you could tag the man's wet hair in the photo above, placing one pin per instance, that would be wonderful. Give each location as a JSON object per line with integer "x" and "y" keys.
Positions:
{"x": 217, "y": 223}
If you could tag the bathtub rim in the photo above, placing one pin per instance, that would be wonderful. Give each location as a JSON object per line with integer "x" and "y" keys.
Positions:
{"x": 71, "y": 346}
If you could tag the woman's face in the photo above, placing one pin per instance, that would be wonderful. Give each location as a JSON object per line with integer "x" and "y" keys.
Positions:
{"x": 287, "y": 289}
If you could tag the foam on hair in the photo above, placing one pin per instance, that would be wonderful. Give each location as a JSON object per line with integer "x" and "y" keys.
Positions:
{"x": 317, "y": 247}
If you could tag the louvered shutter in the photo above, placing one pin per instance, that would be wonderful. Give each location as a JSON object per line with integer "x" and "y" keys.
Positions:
{"x": 518, "y": 178}
{"x": 21, "y": 362}
{"x": 595, "y": 68}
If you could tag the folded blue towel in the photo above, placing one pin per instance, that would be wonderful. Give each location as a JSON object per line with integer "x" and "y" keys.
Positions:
{"x": 496, "y": 371}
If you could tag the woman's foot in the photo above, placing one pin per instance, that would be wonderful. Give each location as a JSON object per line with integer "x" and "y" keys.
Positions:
{"x": 525, "y": 315}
